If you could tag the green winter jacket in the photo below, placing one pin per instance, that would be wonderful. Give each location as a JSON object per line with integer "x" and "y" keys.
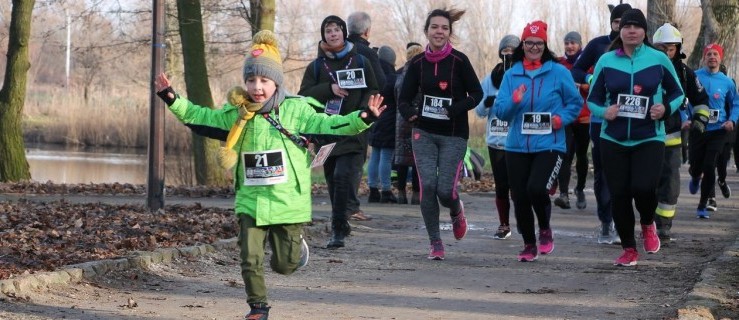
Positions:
{"x": 290, "y": 201}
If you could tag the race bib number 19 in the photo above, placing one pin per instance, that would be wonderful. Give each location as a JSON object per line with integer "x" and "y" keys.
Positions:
{"x": 536, "y": 123}
{"x": 436, "y": 107}
{"x": 632, "y": 106}
{"x": 263, "y": 168}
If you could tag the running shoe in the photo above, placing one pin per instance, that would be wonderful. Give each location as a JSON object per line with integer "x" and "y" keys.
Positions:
{"x": 563, "y": 201}
{"x": 702, "y": 214}
{"x": 304, "y": 253}
{"x": 459, "y": 223}
{"x": 581, "y": 202}
{"x": 694, "y": 185}
{"x": 628, "y": 258}
{"x": 259, "y": 311}
{"x": 546, "y": 241}
{"x": 529, "y": 253}
{"x": 437, "y": 250}
{"x": 711, "y": 204}
{"x": 650, "y": 238}
{"x": 725, "y": 190}
{"x": 504, "y": 231}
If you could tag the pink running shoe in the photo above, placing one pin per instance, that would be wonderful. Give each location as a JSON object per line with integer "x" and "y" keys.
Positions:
{"x": 437, "y": 250}
{"x": 459, "y": 223}
{"x": 628, "y": 258}
{"x": 546, "y": 241}
{"x": 529, "y": 253}
{"x": 651, "y": 239}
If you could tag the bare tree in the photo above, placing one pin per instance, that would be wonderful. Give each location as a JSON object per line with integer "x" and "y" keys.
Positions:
{"x": 659, "y": 12}
{"x": 719, "y": 24}
{"x": 13, "y": 163}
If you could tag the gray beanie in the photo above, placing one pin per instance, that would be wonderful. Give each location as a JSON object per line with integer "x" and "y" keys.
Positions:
{"x": 386, "y": 54}
{"x": 508, "y": 41}
{"x": 574, "y": 37}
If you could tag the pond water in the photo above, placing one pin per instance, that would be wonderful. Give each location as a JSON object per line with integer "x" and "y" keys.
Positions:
{"x": 64, "y": 164}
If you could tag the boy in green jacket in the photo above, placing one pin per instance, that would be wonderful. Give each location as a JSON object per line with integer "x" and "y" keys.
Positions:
{"x": 270, "y": 161}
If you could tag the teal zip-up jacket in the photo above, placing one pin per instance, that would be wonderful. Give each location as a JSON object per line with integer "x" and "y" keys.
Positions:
{"x": 548, "y": 89}
{"x": 722, "y": 95}
{"x": 290, "y": 201}
{"x": 648, "y": 73}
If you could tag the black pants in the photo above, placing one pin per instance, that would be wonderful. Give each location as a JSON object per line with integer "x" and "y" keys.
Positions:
{"x": 403, "y": 178}
{"x": 502, "y": 187}
{"x": 532, "y": 175}
{"x": 632, "y": 173}
{"x": 341, "y": 175}
{"x": 578, "y": 141}
{"x": 704, "y": 150}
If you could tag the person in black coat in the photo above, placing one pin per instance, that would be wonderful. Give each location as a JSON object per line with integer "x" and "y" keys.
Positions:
{"x": 382, "y": 137}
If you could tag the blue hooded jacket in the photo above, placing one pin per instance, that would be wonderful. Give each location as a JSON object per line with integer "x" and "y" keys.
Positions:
{"x": 722, "y": 95}
{"x": 548, "y": 89}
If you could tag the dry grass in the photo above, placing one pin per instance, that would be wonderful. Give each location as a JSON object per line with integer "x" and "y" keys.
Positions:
{"x": 110, "y": 118}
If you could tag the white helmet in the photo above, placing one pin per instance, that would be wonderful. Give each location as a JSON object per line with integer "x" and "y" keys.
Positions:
{"x": 667, "y": 34}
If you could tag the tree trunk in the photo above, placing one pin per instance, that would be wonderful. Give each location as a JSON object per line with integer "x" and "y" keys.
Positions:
{"x": 262, "y": 15}
{"x": 718, "y": 24}
{"x": 13, "y": 163}
{"x": 659, "y": 12}
{"x": 205, "y": 151}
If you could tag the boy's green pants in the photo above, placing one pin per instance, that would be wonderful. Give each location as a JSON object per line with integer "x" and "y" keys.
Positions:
{"x": 285, "y": 241}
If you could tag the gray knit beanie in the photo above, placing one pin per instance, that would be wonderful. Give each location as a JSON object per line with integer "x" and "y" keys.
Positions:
{"x": 386, "y": 54}
{"x": 264, "y": 58}
{"x": 508, "y": 41}
{"x": 573, "y": 36}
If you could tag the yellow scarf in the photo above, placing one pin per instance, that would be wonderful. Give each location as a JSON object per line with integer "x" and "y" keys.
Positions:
{"x": 237, "y": 97}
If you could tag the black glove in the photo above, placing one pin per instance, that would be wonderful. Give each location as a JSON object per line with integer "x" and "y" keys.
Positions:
{"x": 407, "y": 111}
{"x": 168, "y": 96}
{"x": 699, "y": 123}
{"x": 489, "y": 101}
{"x": 367, "y": 115}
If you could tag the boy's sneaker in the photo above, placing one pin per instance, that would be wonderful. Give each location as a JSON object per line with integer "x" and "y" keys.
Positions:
{"x": 581, "y": 202}
{"x": 546, "y": 241}
{"x": 702, "y": 214}
{"x": 459, "y": 223}
{"x": 650, "y": 238}
{"x": 259, "y": 311}
{"x": 304, "y": 253}
{"x": 711, "y": 204}
{"x": 694, "y": 185}
{"x": 503, "y": 232}
{"x": 529, "y": 253}
{"x": 725, "y": 190}
{"x": 437, "y": 250}
{"x": 563, "y": 201}
{"x": 628, "y": 258}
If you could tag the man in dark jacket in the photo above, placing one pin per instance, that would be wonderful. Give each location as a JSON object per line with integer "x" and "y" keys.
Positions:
{"x": 358, "y": 26}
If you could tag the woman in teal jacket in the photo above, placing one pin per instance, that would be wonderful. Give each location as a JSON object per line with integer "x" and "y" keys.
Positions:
{"x": 537, "y": 97}
{"x": 635, "y": 88}
{"x": 270, "y": 161}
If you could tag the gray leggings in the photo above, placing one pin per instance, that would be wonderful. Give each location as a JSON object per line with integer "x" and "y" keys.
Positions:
{"x": 439, "y": 163}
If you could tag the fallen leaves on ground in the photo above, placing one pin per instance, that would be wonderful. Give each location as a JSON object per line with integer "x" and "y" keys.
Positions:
{"x": 40, "y": 236}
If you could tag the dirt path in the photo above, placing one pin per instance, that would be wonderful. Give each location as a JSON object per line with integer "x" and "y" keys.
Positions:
{"x": 383, "y": 274}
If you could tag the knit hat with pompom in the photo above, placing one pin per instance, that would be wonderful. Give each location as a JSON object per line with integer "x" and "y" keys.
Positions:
{"x": 264, "y": 58}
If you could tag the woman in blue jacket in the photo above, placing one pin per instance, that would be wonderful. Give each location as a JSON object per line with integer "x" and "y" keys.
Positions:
{"x": 538, "y": 98}
{"x": 635, "y": 88}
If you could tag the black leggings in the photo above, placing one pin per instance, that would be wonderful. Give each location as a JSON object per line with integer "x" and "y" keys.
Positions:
{"x": 704, "y": 151}
{"x": 578, "y": 141}
{"x": 632, "y": 173}
{"x": 403, "y": 177}
{"x": 502, "y": 187}
{"x": 532, "y": 175}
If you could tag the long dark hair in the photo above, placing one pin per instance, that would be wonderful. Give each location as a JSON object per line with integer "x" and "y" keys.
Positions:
{"x": 547, "y": 55}
{"x": 452, "y": 15}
